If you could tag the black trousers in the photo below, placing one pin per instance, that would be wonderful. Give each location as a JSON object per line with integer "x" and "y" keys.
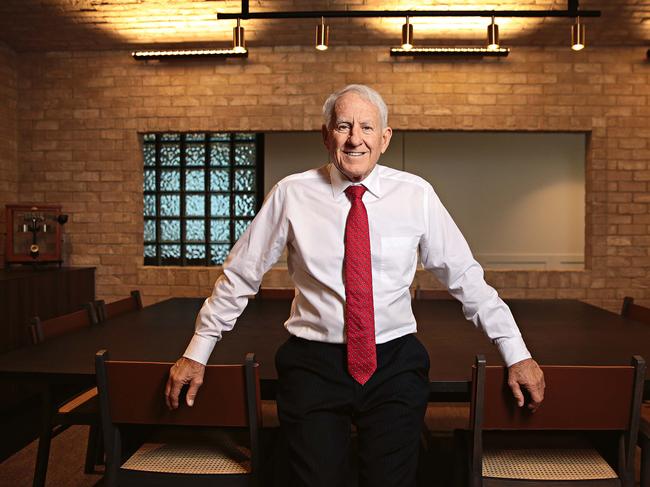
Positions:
{"x": 318, "y": 401}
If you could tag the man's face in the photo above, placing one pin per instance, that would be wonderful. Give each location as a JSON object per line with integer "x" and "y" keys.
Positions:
{"x": 355, "y": 138}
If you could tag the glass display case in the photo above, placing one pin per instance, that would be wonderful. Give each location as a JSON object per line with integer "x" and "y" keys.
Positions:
{"x": 34, "y": 233}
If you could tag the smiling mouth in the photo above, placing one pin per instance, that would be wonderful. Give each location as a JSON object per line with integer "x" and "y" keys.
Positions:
{"x": 354, "y": 154}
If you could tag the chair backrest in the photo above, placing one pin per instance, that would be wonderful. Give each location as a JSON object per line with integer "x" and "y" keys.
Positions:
{"x": 121, "y": 306}
{"x": 133, "y": 392}
{"x": 42, "y": 330}
{"x": 635, "y": 311}
{"x": 276, "y": 293}
{"x": 576, "y": 398}
{"x": 432, "y": 294}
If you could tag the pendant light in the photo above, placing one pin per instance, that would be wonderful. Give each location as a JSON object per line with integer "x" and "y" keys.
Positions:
{"x": 322, "y": 35}
{"x": 578, "y": 35}
{"x": 493, "y": 36}
{"x": 407, "y": 35}
{"x": 238, "y": 42}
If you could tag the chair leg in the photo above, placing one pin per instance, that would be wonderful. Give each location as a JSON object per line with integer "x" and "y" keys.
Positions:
{"x": 461, "y": 460}
{"x": 113, "y": 449}
{"x": 44, "y": 440}
{"x": 42, "y": 458}
{"x": 94, "y": 437}
{"x": 99, "y": 451}
{"x": 644, "y": 442}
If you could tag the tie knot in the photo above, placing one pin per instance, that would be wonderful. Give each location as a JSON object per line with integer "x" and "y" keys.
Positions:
{"x": 355, "y": 193}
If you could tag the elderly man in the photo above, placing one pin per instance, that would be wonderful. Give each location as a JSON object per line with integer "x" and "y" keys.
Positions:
{"x": 353, "y": 230}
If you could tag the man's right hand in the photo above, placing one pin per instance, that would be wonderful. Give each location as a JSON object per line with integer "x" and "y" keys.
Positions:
{"x": 184, "y": 371}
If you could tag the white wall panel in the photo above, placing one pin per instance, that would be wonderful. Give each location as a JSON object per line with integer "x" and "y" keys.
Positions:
{"x": 519, "y": 198}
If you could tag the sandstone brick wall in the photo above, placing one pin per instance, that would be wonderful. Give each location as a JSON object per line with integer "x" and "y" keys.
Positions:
{"x": 80, "y": 113}
{"x": 8, "y": 138}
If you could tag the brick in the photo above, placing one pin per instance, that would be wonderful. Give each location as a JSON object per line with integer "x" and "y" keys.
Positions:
{"x": 643, "y": 197}
{"x": 481, "y": 99}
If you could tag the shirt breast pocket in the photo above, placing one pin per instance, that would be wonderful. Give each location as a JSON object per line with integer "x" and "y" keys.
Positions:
{"x": 398, "y": 256}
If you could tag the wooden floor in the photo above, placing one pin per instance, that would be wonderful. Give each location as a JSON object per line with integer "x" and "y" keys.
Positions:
{"x": 66, "y": 463}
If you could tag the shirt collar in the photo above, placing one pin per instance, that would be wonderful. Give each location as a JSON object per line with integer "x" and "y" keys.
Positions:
{"x": 340, "y": 182}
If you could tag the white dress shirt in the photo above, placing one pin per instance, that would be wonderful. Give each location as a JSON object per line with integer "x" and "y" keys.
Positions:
{"x": 306, "y": 212}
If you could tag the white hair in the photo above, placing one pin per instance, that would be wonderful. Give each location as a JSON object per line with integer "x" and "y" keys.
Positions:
{"x": 364, "y": 92}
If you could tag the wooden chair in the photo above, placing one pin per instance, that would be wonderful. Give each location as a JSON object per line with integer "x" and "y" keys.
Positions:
{"x": 584, "y": 405}
{"x": 79, "y": 408}
{"x": 119, "y": 307}
{"x": 131, "y": 393}
{"x": 635, "y": 311}
{"x": 276, "y": 293}
{"x": 641, "y": 313}
{"x": 39, "y": 331}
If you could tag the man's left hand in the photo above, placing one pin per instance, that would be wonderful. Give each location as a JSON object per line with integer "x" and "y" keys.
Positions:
{"x": 528, "y": 375}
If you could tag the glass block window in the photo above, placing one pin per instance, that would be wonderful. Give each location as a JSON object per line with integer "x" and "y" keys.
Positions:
{"x": 201, "y": 191}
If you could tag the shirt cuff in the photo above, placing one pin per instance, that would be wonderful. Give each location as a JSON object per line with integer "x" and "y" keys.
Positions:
{"x": 200, "y": 348}
{"x": 513, "y": 350}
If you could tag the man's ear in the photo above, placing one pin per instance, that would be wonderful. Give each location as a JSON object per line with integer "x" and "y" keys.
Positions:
{"x": 385, "y": 139}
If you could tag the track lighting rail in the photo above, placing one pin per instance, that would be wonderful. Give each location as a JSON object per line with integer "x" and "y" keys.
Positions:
{"x": 317, "y": 14}
{"x": 572, "y": 10}
{"x": 407, "y": 48}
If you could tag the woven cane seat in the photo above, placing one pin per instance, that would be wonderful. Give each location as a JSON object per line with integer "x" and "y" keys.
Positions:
{"x": 219, "y": 456}
{"x": 546, "y": 464}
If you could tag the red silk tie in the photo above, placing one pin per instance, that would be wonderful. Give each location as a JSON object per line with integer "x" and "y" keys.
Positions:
{"x": 359, "y": 308}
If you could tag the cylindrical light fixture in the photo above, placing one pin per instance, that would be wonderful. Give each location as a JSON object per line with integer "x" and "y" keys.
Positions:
{"x": 578, "y": 35}
{"x": 322, "y": 35}
{"x": 493, "y": 35}
{"x": 238, "y": 42}
{"x": 407, "y": 35}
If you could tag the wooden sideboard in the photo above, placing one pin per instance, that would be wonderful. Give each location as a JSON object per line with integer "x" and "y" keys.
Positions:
{"x": 45, "y": 292}
{"x": 42, "y": 291}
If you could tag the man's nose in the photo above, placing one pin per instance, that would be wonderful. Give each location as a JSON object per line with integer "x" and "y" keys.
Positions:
{"x": 355, "y": 135}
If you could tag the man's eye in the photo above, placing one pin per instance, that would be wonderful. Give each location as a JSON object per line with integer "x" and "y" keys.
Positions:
{"x": 367, "y": 129}
{"x": 343, "y": 128}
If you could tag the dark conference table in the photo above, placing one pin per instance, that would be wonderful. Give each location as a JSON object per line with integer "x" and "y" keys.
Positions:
{"x": 556, "y": 332}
